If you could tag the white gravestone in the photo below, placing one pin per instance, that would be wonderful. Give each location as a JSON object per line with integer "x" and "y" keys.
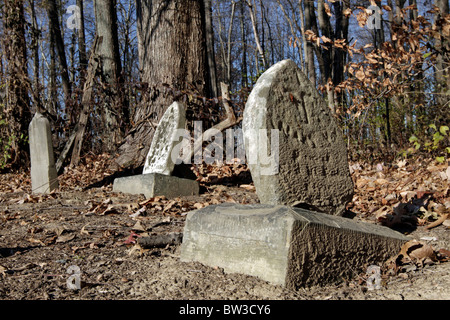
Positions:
{"x": 44, "y": 177}
{"x": 159, "y": 159}
{"x": 156, "y": 178}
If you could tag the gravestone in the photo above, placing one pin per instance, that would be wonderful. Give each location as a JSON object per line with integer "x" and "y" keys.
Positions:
{"x": 44, "y": 178}
{"x": 312, "y": 169}
{"x": 288, "y": 246}
{"x": 159, "y": 156}
{"x": 156, "y": 178}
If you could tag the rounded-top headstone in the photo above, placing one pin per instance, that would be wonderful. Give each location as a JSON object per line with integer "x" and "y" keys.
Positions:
{"x": 312, "y": 167}
{"x": 159, "y": 159}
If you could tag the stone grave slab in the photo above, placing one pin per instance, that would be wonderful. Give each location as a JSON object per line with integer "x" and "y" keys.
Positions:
{"x": 156, "y": 184}
{"x": 44, "y": 178}
{"x": 156, "y": 179}
{"x": 312, "y": 171}
{"x": 288, "y": 246}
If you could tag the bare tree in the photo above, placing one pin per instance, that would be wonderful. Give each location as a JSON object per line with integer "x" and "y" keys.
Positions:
{"x": 252, "y": 10}
{"x": 225, "y": 46}
{"x": 209, "y": 35}
{"x": 17, "y": 105}
{"x": 82, "y": 43}
{"x": 172, "y": 53}
{"x": 111, "y": 69}
{"x": 55, "y": 29}
{"x": 244, "y": 71}
{"x": 443, "y": 60}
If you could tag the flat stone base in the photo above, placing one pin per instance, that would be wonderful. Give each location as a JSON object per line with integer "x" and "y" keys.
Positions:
{"x": 288, "y": 246}
{"x": 155, "y": 184}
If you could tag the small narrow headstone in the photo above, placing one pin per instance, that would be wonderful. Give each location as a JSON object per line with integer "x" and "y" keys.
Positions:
{"x": 159, "y": 157}
{"x": 44, "y": 178}
{"x": 312, "y": 170}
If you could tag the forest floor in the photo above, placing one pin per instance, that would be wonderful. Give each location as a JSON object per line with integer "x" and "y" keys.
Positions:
{"x": 85, "y": 224}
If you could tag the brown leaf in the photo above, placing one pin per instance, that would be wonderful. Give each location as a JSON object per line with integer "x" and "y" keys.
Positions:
{"x": 248, "y": 187}
{"x": 139, "y": 227}
{"x": 444, "y": 255}
{"x": 84, "y": 231}
{"x": 437, "y": 222}
{"x": 198, "y": 205}
{"x": 32, "y": 240}
{"x": 65, "y": 238}
{"x": 416, "y": 252}
{"x": 360, "y": 75}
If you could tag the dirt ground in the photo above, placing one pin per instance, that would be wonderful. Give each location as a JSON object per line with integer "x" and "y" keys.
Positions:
{"x": 95, "y": 230}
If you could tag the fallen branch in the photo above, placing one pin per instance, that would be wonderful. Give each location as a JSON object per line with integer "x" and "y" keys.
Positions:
{"x": 230, "y": 120}
{"x": 86, "y": 101}
{"x": 65, "y": 152}
{"x": 161, "y": 240}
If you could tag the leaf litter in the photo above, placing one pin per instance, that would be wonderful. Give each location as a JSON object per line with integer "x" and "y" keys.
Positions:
{"x": 99, "y": 230}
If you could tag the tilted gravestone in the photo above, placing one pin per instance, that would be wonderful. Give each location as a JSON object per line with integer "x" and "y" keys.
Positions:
{"x": 156, "y": 179}
{"x": 159, "y": 157}
{"x": 307, "y": 165}
{"x": 289, "y": 246}
{"x": 312, "y": 157}
{"x": 44, "y": 178}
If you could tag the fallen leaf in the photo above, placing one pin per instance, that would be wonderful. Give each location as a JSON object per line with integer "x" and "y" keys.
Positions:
{"x": 140, "y": 211}
{"x": 84, "y": 231}
{"x": 131, "y": 238}
{"x": 3, "y": 270}
{"x": 428, "y": 238}
{"x": 93, "y": 245}
{"x": 198, "y": 205}
{"x": 416, "y": 252}
{"x": 65, "y": 238}
{"x": 32, "y": 240}
{"x": 437, "y": 222}
{"x": 444, "y": 255}
{"x": 139, "y": 227}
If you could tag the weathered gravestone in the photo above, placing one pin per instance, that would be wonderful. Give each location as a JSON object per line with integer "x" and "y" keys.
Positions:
{"x": 159, "y": 157}
{"x": 312, "y": 156}
{"x": 156, "y": 179}
{"x": 44, "y": 178}
{"x": 289, "y": 246}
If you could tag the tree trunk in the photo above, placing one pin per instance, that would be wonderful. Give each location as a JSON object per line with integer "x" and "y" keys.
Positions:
{"x": 52, "y": 103}
{"x": 443, "y": 59}
{"x": 244, "y": 70}
{"x": 111, "y": 69}
{"x": 209, "y": 33}
{"x": 172, "y": 51}
{"x": 293, "y": 33}
{"x": 310, "y": 24}
{"x": 35, "y": 35}
{"x": 82, "y": 44}
{"x": 17, "y": 106}
{"x": 55, "y": 29}
{"x": 339, "y": 55}
{"x": 230, "y": 29}
{"x": 261, "y": 53}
